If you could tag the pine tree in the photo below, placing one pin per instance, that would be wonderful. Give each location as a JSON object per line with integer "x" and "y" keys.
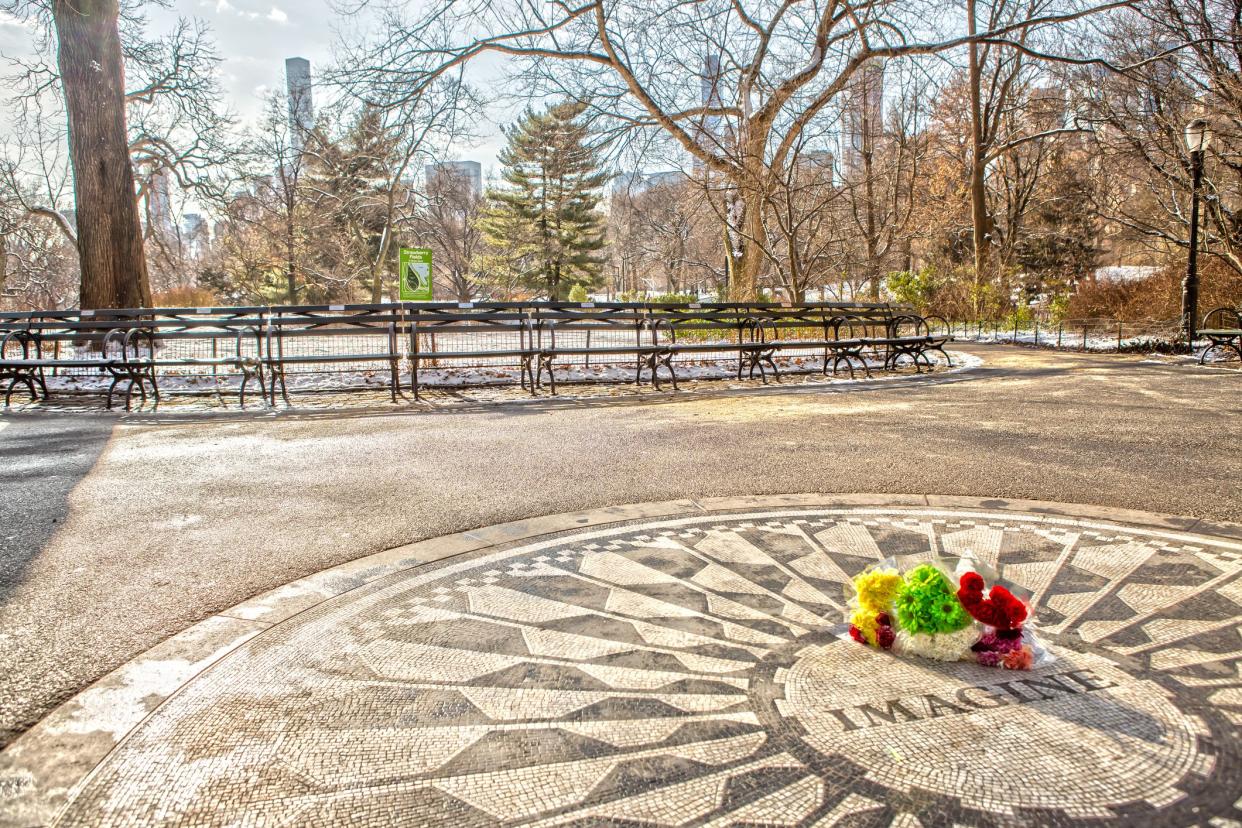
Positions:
{"x": 547, "y": 213}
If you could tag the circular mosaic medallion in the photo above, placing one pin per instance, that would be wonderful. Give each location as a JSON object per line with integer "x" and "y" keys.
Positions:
{"x": 696, "y": 671}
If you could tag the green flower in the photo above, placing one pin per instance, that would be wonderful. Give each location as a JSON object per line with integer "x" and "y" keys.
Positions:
{"x": 927, "y": 603}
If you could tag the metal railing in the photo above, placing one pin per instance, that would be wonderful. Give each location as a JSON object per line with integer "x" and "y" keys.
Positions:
{"x": 1100, "y": 335}
{"x": 378, "y": 331}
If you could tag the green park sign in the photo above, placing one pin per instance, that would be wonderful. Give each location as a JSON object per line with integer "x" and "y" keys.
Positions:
{"x": 415, "y": 274}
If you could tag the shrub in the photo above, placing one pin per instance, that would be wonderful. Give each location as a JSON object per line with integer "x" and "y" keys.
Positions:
{"x": 917, "y": 288}
{"x": 673, "y": 299}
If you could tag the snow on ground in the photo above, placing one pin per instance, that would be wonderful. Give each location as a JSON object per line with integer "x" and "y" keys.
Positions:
{"x": 197, "y": 382}
{"x": 1101, "y": 342}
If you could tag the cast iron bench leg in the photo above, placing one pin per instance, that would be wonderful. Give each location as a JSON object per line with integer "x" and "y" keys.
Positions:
{"x": 241, "y": 394}
{"x": 667, "y": 359}
{"x": 116, "y": 379}
{"x": 551, "y": 375}
{"x": 776, "y": 373}
{"x": 528, "y": 374}
{"x": 284, "y": 389}
{"x": 8, "y": 395}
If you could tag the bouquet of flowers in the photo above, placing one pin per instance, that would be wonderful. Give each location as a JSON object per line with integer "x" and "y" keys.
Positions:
{"x": 932, "y": 611}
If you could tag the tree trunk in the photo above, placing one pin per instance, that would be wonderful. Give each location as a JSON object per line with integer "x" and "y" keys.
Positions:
{"x": 92, "y": 73}
{"x": 291, "y": 262}
{"x": 745, "y": 253}
{"x": 981, "y": 222}
{"x": 377, "y": 269}
{"x": 377, "y": 285}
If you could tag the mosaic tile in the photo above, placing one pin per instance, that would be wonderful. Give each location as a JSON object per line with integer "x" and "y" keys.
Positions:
{"x": 695, "y": 671}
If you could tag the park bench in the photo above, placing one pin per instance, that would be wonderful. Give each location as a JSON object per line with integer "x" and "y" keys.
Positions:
{"x": 587, "y": 329}
{"x": 308, "y": 335}
{"x": 759, "y": 333}
{"x": 471, "y": 335}
{"x": 1222, "y": 328}
{"x": 135, "y": 347}
{"x": 26, "y": 356}
{"x": 911, "y": 335}
{"x": 131, "y": 346}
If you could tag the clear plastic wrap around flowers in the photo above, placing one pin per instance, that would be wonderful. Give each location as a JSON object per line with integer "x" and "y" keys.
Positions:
{"x": 929, "y": 609}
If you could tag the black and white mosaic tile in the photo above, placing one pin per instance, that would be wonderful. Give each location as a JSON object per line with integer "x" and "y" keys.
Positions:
{"x": 695, "y": 671}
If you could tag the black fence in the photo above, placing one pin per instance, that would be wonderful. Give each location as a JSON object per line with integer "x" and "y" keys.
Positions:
{"x": 1098, "y": 334}
{"x": 445, "y": 344}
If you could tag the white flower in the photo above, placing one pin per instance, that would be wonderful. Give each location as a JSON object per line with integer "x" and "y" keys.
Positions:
{"x": 954, "y": 646}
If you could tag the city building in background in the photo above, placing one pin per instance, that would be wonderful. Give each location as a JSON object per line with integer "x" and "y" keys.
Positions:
{"x": 635, "y": 183}
{"x": 470, "y": 172}
{"x": 301, "y": 98}
{"x": 863, "y": 118}
{"x": 709, "y": 132}
{"x": 159, "y": 205}
{"x": 195, "y": 235}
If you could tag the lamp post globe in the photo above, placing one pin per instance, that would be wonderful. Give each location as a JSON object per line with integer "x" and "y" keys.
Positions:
{"x": 1198, "y": 135}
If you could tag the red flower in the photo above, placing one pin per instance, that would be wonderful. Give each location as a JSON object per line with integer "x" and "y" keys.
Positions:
{"x": 1000, "y": 609}
{"x": 885, "y": 637}
{"x": 857, "y": 635}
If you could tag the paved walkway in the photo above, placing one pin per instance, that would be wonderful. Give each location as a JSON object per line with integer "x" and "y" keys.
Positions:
{"x": 673, "y": 664}
{"x": 122, "y": 531}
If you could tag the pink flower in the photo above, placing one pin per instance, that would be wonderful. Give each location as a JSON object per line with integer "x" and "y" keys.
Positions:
{"x": 1019, "y": 659}
{"x": 989, "y": 658}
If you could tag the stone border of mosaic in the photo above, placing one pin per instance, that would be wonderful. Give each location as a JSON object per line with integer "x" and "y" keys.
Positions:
{"x": 39, "y": 770}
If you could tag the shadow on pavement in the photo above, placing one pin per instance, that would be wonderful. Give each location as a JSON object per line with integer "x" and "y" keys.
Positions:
{"x": 42, "y": 458}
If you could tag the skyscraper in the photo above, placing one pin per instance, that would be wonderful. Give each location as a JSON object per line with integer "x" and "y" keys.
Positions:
{"x": 469, "y": 172}
{"x": 301, "y": 103}
{"x": 708, "y": 134}
{"x": 863, "y": 118}
{"x": 159, "y": 204}
{"x": 195, "y": 235}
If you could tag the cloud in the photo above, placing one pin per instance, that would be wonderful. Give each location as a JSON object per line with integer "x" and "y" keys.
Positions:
{"x": 225, "y": 7}
{"x": 277, "y": 15}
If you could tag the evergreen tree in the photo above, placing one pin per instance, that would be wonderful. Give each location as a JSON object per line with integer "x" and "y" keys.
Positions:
{"x": 547, "y": 213}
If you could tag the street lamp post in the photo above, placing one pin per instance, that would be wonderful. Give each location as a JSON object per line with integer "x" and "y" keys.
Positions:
{"x": 1198, "y": 136}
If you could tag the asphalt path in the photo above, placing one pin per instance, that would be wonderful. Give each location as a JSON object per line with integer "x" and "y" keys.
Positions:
{"x": 116, "y": 532}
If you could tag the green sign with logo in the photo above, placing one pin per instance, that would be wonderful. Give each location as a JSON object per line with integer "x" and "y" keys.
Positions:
{"x": 415, "y": 274}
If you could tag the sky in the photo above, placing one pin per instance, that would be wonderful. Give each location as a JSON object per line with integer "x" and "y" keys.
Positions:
{"x": 254, "y": 37}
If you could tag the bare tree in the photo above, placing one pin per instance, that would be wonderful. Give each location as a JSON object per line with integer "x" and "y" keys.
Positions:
{"x": 176, "y": 130}
{"x": 882, "y": 191}
{"x": 1180, "y": 61}
{"x": 274, "y": 204}
{"x": 1000, "y": 77}
{"x": 781, "y": 66}
{"x": 181, "y": 137}
{"x": 448, "y": 223}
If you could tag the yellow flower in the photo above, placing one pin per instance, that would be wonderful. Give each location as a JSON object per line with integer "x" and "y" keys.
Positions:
{"x": 877, "y": 589}
{"x": 865, "y": 621}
